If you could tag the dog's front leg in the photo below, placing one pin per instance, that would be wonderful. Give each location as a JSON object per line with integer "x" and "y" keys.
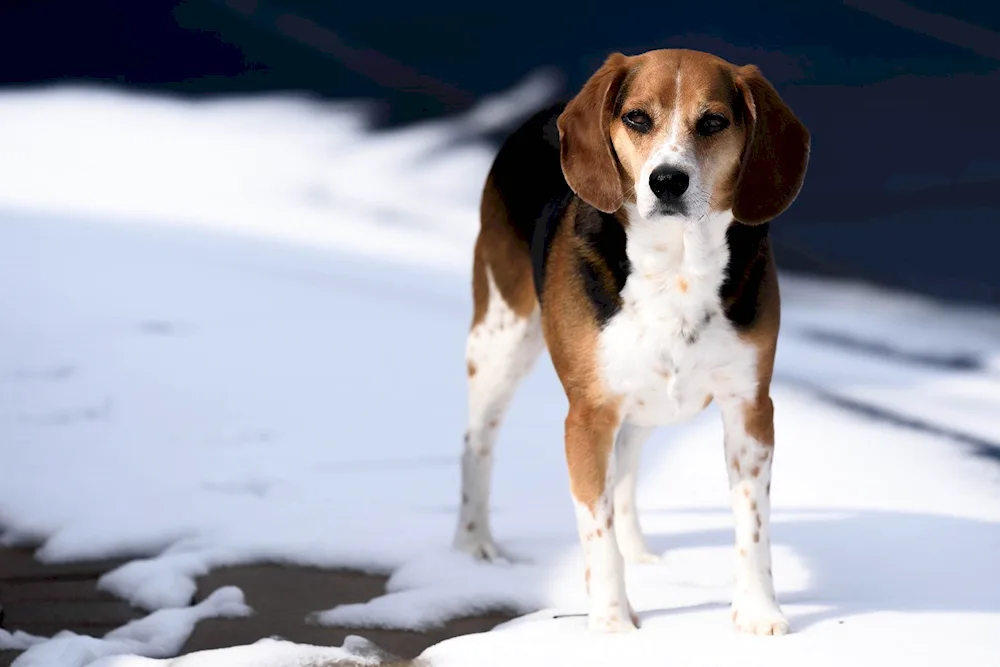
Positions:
{"x": 749, "y": 436}
{"x": 590, "y": 437}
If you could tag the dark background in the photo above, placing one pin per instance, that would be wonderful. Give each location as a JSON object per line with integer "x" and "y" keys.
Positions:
{"x": 901, "y": 98}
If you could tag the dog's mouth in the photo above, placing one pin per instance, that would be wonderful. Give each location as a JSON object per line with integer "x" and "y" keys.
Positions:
{"x": 671, "y": 208}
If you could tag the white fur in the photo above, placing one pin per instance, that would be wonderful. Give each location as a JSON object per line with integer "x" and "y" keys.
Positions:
{"x": 749, "y": 462}
{"x": 676, "y": 150}
{"x": 628, "y": 448}
{"x": 609, "y": 606}
{"x": 659, "y": 354}
{"x": 502, "y": 348}
{"x": 666, "y": 353}
{"x": 678, "y": 266}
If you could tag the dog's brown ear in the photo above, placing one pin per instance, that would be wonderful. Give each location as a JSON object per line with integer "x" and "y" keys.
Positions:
{"x": 776, "y": 152}
{"x": 588, "y": 160}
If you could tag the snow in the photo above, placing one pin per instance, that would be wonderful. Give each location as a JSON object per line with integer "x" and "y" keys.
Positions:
{"x": 356, "y": 652}
{"x": 162, "y": 633}
{"x": 234, "y": 333}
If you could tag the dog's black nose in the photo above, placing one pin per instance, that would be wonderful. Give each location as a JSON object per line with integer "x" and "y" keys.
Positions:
{"x": 668, "y": 183}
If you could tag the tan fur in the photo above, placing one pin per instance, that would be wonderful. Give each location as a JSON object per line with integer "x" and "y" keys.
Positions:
{"x": 507, "y": 257}
{"x": 571, "y": 334}
{"x": 759, "y": 414}
{"x": 568, "y": 323}
{"x": 706, "y": 86}
{"x": 756, "y": 167}
{"x": 588, "y": 164}
{"x": 590, "y": 437}
{"x": 776, "y": 153}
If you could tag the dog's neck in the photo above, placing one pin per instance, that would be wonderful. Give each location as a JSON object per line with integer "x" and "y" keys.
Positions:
{"x": 670, "y": 246}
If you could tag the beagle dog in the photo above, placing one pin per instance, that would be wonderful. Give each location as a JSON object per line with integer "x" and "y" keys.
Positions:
{"x": 627, "y": 231}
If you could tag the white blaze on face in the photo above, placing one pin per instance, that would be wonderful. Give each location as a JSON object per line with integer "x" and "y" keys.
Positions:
{"x": 675, "y": 150}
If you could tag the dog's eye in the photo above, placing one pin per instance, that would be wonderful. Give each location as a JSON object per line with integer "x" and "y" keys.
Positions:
{"x": 711, "y": 123}
{"x": 638, "y": 121}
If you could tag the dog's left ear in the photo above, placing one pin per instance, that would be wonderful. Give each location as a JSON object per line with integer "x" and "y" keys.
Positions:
{"x": 589, "y": 163}
{"x": 775, "y": 155}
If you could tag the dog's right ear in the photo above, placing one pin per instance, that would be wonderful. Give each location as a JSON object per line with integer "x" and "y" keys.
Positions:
{"x": 589, "y": 163}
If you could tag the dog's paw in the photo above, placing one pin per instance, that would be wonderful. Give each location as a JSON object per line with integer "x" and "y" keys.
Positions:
{"x": 759, "y": 616}
{"x": 613, "y": 620}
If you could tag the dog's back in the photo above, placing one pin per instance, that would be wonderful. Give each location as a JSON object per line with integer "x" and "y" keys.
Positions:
{"x": 523, "y": 201}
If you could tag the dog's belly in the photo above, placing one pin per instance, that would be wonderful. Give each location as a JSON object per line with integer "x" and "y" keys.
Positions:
{"x": 668, "y": 368}
{"x": 659, "y": 401}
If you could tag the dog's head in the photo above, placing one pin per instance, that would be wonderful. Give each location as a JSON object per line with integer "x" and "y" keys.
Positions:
{"x": 682, "y": 133}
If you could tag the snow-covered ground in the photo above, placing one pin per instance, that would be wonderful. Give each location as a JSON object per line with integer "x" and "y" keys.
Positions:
{"x": 234, "y": 332}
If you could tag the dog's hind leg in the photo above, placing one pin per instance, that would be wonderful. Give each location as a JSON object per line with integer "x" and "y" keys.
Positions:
{"x": 502, "y": 346}
{"x": 628, "y": 447}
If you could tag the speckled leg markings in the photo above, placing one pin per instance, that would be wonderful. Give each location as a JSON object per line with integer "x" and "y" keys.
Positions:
{"x": 590, "y": 438}
{"x": 609, "y": 607}
{"x": 628, "y": 447}
{"x": 748, "y": 460}
{"x": 500, "y": 351}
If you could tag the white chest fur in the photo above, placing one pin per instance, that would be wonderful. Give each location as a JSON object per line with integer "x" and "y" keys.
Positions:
{"x": 671, "y": 348}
